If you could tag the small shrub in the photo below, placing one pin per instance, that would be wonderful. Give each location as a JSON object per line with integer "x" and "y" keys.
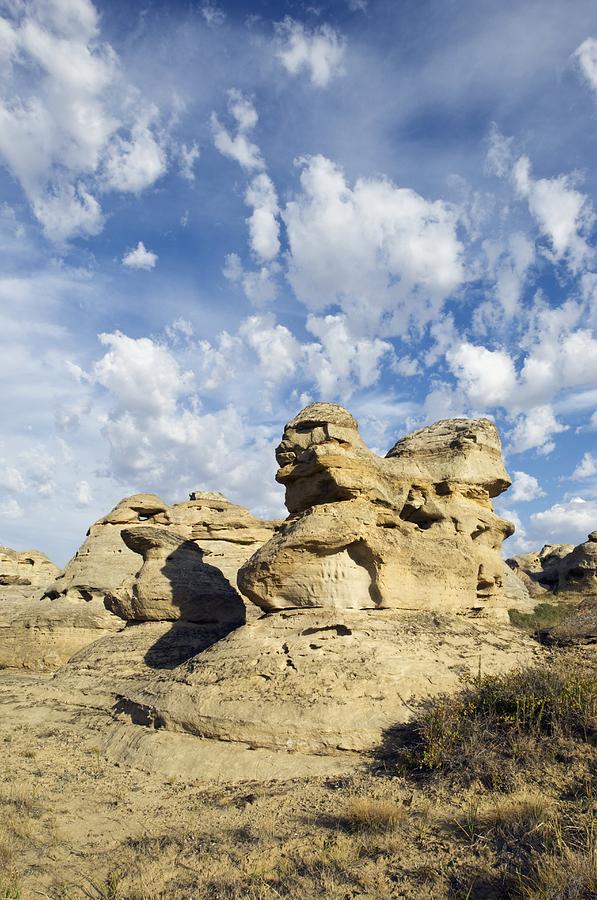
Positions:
{"x": 545, "y": 615}
{"x": 500, "y": 718}
{"x": 369, "y": 814}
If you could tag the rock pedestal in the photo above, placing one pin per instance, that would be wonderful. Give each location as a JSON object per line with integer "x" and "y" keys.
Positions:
{"x": 413, "y": 530}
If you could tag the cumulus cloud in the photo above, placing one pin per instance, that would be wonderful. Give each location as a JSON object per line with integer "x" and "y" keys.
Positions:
{"x": 384, "y": 254}
{"x": 140, "y": 258}
{"x": 569, "y": 521}
{"x": 134, "y": 163}
{"x": 524, "y": 488}
{"x": 535, "y": 429}
{"x": 70, "y": 125}
{"x": 587, "y": 467}
{"x": 340, "y": 362}
{"x": 263, "y": 224}
{"x": 238, "y": 147}
{"x": 487, "y": 377}
{"x": 563, "y": 214}
{"x": 319, "y": 52}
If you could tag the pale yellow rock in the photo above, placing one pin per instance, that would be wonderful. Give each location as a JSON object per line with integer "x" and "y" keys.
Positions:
{"x": 104, "y": 562}
{"x": 324, "y": 681}
{"x": 174, "y": 582}
{"x": 43, "y": 634}
{"x": 577, "y": 571}
{"x": 414, "y": 530}
{"x": 24, "y": 573}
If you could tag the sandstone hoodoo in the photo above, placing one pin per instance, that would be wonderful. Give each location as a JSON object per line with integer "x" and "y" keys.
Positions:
{"x": 103, "y": 561}
{"x": 413, "y": 530}
{"x": 174, "y": 582}
{"x": 375, "y": 585}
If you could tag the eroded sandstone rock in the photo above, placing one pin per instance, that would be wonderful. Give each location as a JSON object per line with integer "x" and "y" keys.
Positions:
{"x": 174, "y": 582}
{"x": 24, "y": 574}
{"x": 43, "y": 634}
{"x": 413, "y": 530}
{"x": 323, "y": 680}
{"x": 104, "y": 562}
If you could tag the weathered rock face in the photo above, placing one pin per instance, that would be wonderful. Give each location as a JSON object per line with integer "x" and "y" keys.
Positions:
{"x": 227, "y": 534}
{"x": 103, "y": 562}
{"x": 44, "y": 634}
{"x": 174, "y": 582}
{"x": 24, "y": 574}
{"x": 540, "y": 570}
{"x": 321, "y": 680}
{"x": 559, "y": 572}
{"x": 577, "y": 572}
{"x": 414, "y": 530}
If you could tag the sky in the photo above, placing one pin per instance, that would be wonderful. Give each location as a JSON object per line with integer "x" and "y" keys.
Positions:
{"x": 212, "y": 214}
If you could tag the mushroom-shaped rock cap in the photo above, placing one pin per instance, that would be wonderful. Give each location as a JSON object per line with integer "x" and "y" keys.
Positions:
{"x": 466, "y": 451}
{"x": 131, "y": 509}
{"x": 317, "y": 423}
{"x": 175, "y": 582}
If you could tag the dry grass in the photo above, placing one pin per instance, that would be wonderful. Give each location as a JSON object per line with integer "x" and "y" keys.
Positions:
{"x": 369, "y": 814}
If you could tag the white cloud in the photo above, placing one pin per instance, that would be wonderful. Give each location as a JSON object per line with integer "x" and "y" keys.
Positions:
{"x": 260, "y": 286}
{"x": 524, "y": 488}
{"x": 84, "y": 494}
{"x": 586, "y": 57}
{"x": 340, "y": 362}
{"x": 320, "y": 51}
{"x": 380, "y": 252}
{"x": 188, "y": 156}
{"x": 586, "y": 468}
{"x": 136, "y": 163}
{"x": 562, "y": 213}
{"x": 535, "y": 429}
{"x": 143, "y": 375}
{"x": 239, "y": 146}
{"x": 487, "y": 377}
{"x": 567, "y": 522}
{"x": 140, "y": 258}
{"x": 69, "y": 122}
{"x": 263, "y": 224}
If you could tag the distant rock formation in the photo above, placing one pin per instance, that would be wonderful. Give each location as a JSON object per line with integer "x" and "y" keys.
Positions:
{"x": 559, "y": 572}
{"x": 24, "y": 574}
{"x": 413, "y": 530}
{"x": 36, "y": 634}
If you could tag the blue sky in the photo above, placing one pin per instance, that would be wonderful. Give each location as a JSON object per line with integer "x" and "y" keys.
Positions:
{"x": 214, "y": 213}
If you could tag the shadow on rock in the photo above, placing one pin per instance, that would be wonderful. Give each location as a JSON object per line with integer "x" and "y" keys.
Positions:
{"x": 182, "y": 642}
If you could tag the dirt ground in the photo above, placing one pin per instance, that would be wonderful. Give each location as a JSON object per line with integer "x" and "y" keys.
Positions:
{"x": 74, "y": 824}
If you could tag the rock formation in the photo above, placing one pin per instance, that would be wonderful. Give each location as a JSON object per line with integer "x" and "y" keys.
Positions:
{"x": 36, "y": 634}
{"x": 366, "y": 582}
{"x": 174, "y": 582}
{"x": 559, "y": 572}
{"x": 413, "y": 530}
{"x": 540, "y": 570}
{"x": 24, "y": 574}
{"x": 324, "y": 680}
{"x": 103, "y": 561}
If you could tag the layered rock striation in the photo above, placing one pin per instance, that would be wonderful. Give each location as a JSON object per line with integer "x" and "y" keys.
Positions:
{"x": 414, "y": 530}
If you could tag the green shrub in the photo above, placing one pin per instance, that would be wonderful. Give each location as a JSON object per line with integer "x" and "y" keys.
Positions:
{"x": 497, "y": 717}
{"x": 545, "y": 615}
